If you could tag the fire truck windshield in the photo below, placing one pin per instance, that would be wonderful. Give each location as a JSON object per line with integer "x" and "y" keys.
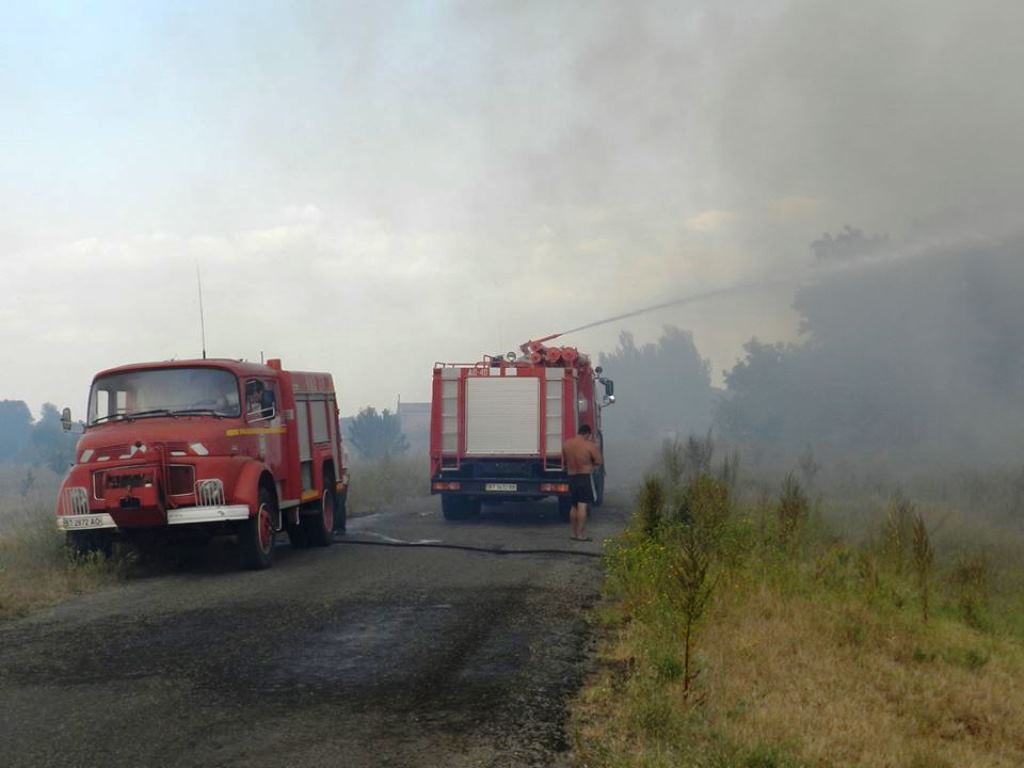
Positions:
{"x": 164, "y": 392}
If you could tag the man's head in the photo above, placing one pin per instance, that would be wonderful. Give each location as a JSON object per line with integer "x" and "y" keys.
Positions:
{"x": 584, "y": 429}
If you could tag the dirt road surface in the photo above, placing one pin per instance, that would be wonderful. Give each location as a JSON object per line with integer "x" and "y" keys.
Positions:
{"x": 345, "y": 656}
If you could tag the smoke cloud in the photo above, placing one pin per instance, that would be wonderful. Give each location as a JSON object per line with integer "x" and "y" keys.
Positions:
{"x": 380, "y": 187}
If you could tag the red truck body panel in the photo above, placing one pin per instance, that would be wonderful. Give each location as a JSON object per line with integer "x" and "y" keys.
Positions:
{"x": 498, "y": 426}
{"x": 275, "y": 429}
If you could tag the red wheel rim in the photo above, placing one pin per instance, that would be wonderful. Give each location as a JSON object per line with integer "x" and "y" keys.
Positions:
{"x": 328, "y": 506}
{"x": 266, "y": 528}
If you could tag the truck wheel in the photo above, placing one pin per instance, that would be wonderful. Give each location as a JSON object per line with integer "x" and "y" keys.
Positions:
{"x": 451, "y": 508}
{"x": 85, "y": 543}
{"x": 564, "y": 508}
{"x": 319, "y": 528}
{"x": 459, "y": 508}
{"x": 341, "y": 512}
{"x": 296, "y": 535}
{"x": 454, "y": 508}
{"x": 256, "y": 535}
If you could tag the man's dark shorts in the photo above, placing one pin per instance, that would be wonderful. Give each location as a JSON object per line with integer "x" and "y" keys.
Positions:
{"x": 581, "y": 489}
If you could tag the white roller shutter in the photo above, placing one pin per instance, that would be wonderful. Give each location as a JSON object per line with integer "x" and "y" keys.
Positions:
{"x": 503, "y": 415}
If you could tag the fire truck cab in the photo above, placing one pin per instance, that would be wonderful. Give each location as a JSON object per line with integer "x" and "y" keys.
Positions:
{"x": 209, "y": 446}
{"x": 498, "y": 426}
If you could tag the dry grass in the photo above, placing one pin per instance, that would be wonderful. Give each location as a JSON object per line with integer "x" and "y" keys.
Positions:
{"x": 378, "y": 484}
{"x": 820, "y": 657}
{"x": 36, "y": 569}
{"x": 789, "y": 681}
{"x": 847, "y": 686}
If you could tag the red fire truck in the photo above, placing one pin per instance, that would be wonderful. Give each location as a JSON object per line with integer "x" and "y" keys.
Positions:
{"x": 497, "y": 426}
{"x": 210, "y": 447}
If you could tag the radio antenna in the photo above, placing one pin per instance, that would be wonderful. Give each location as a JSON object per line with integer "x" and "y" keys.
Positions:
{"x": 202, "y": 319}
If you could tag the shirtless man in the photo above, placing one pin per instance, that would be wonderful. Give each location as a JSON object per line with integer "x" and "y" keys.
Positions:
{"x": 581, "y": 456}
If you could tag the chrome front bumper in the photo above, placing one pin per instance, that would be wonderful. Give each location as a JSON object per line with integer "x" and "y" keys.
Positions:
{"x": 181, "y": 516}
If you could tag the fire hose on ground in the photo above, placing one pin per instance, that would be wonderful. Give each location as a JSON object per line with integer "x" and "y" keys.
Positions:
{"x": 466, "y": 547}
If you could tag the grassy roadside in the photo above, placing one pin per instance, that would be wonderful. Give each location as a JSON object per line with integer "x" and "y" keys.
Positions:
{"x": 37, "y": 569}
{"x": 376, "y": 485}
{"x": 809, "y": 650}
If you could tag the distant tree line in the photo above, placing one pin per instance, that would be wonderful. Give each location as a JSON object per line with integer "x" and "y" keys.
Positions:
{"x": 665, "y": 386}
{"x": 917, "y": 356}
{"x": 921, "y": 353}
{"x": 376, "y": 436}
{"x": 24, "y": 440}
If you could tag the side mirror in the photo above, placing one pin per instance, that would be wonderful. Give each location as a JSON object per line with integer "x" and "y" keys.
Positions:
{"x": 65, "y": 419}
{"x": 609, "y": 391}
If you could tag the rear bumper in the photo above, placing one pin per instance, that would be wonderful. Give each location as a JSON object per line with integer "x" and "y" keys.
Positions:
{"x": 180, "y": 516}
{"x": 500, "y": 487}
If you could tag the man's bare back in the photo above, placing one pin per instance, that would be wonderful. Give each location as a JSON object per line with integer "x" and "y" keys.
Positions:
{"x": 582, "y": 455}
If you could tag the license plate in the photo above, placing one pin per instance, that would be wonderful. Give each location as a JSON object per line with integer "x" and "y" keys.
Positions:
{"x": 500, "y": 487}
{"x": 82, "y": 521}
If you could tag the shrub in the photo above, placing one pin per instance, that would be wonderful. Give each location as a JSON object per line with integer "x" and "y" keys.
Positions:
{"x": 650, "y": 505}
{"x": 897, "y": 531}
{"x": 922, "y": 558}
{"x": 730, "y": 471}
{"x": 971, "y": 582}
{"x": 793, "y": 511}
{"x": 704, "y": 503}
{"x": 692, "y": 586}
{"x": 672, "y": 462}
{"x": 697, "y": 455}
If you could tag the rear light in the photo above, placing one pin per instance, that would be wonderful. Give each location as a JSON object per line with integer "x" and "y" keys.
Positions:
{"x": 443, "y": 486}
{"x": 554, "y": 487}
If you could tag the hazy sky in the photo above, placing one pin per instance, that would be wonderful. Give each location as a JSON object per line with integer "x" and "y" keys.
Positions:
{"x": 369, "y": 187}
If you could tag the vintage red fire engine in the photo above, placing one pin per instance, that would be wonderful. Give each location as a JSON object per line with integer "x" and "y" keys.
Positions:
{"x": 498, "y": 426}
{"x": 209, "y": 447}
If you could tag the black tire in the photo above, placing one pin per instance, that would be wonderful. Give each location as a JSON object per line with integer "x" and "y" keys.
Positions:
{"x": 256, "y": 535}
{"x": 297, "y": 535}
{"x": 599, "y": 487}
{"x": 341, "y": 512}
{"x": 86, "y": 543}
{"x": 452, "y": 507}
{"x": 319, "y": 526}
{"x": 564, "y": 508}
{"x": 459, "y": 508}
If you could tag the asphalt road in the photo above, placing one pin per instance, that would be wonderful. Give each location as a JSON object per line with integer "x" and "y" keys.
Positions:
{"x": 345, "y": 656}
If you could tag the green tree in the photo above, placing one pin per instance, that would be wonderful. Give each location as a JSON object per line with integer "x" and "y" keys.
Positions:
{"x": 668, "y": 385}
{"x": 49, "y": 443}
{"x": 15, "y": 429}
{"x": 377, "y": 435}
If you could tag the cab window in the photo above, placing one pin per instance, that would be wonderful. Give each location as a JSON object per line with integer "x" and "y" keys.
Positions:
{"x": 260, "y": 400}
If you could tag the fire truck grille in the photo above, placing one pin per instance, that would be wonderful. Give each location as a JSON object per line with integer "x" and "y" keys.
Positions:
{"x": 180, "y": 479}
{"x": 209, "y": 493}
{"x": 76, "y": 501}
